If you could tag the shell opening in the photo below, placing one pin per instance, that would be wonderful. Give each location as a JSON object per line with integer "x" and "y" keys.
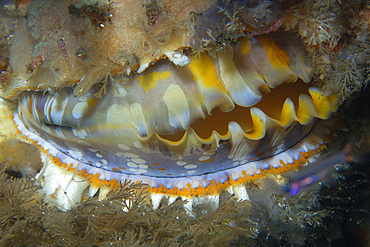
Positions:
{"x": 218, "y": 112}
{"x": 219, "y": 120}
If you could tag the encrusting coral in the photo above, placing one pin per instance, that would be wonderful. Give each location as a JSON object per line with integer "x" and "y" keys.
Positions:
{"x": 335, "y": 34}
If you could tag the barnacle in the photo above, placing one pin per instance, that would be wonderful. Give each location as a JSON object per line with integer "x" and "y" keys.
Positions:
{"x": 191, "y": 102}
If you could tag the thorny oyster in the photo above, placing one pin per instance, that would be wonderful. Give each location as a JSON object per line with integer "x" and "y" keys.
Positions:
{"x": 190, "y": 99}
